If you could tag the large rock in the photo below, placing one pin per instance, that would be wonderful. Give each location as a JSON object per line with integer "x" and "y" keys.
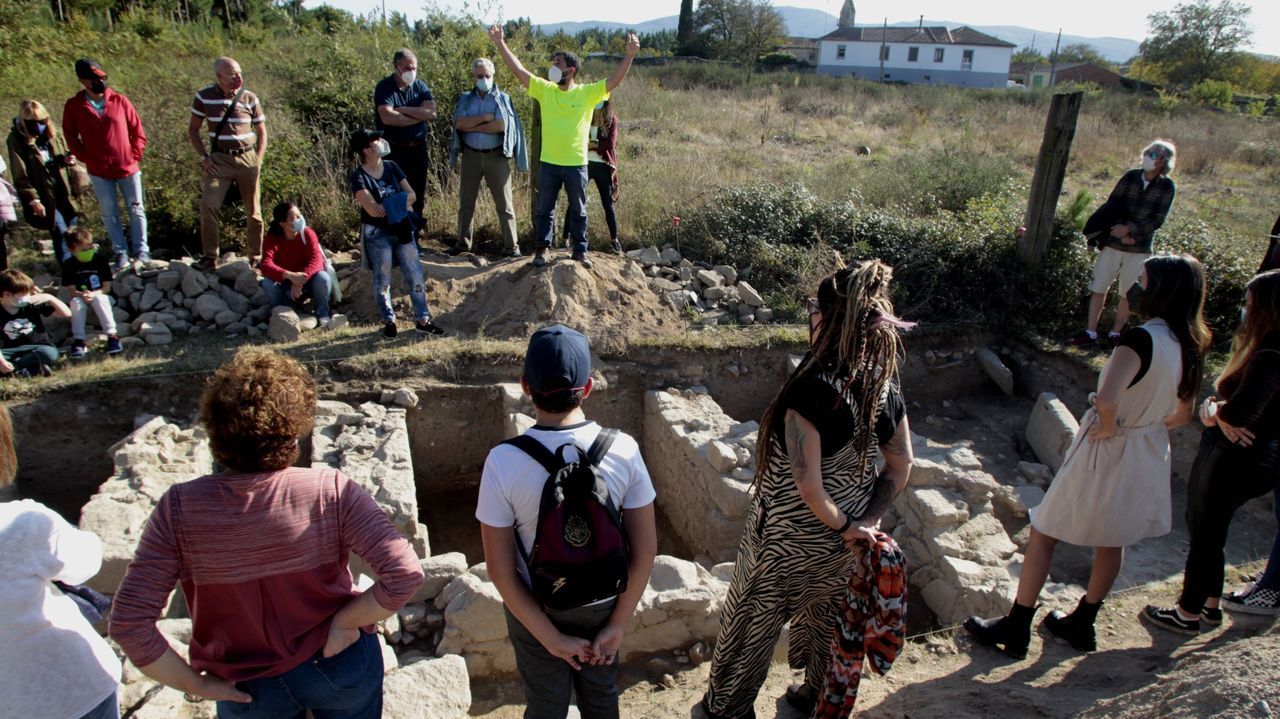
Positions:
{"x": 1051, "y": 430}
{"x": 708, "y": 278}
{"x": 209, "y": 304}
{"x": 995, "y": 369}
{"x": 435, "y": 688}
{"x": 247, "y": 284}
{"x": 237, "y": 302}
{"x": 194, "y": 283}
{"x": 168, "y": 280}
{"x": 748, "y": 294}
{"x": 151, "y": 297}
{"x": 729, "y": 274}
{"x": 438, "y": 571}
{"x": 285, "y": 325}
{"x": 230, "y": 271}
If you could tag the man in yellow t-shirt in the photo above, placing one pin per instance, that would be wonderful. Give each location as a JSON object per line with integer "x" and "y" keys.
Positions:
{"x": 565, "y": 109}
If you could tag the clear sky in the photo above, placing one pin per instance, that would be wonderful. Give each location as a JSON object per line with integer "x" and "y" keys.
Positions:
{"x": 1090, "y": 18}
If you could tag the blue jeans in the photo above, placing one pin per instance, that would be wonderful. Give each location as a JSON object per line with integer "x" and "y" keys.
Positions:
{"x": 380, "y": 249}
{"x": 30, "y": 357}
{"x": 549, "y": 682}
{"x": 1271, "y": 577}
{"x": 347, "y": 685}
{"x": 108, "y": 709}
{"x": 574, "y": 180}
{"x": 319, "y": 287}
{"x": 58, "y": 230}
{"x": 108, "y": 193}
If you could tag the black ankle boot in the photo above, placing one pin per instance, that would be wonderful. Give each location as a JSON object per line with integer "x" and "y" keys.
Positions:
{"x": 1076, "y": 627}
{"x": 1012, "y": 632}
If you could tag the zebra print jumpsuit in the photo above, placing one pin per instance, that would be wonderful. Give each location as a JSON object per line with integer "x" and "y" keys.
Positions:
{"x": 791, "y": 566}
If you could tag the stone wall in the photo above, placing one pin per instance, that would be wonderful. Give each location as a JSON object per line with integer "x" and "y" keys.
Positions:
{"x": 959, "y": 555}
{"x": 370, "y": 444}
{"x": 702, "y": 463}
{"x": 157, "y": 455}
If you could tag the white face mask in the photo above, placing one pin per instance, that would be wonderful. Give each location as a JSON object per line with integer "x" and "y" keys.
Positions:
{"x": 299, "y": 225}
{"x": 408, "y": 76}
{"x": 554, "y": 74}
{"x": 382, "y": 148}
{"x": 484, "y": 84}
{"x": 1148, "y": 164}
{"x": 3, "y": 166}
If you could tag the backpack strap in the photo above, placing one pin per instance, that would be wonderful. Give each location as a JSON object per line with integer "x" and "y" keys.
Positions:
{"x": 537, "y": 451}
{"x": 600, "y": 447}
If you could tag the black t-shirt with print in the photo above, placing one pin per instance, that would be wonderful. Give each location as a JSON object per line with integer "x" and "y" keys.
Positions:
{"x": 89, "y": 275}
{"x": 26, "y": 326}
{"x": 822, "y": 405}
{"x": 379, "y": 188}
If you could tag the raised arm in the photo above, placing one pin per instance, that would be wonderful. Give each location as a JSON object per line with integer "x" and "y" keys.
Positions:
{"x": 508, "y": 57}
{"x": 633, "y": 47}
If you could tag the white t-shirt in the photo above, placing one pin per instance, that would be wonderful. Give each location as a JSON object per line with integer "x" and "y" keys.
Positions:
{"x": 55, "y": 665}
{"x": 511, "y": 485}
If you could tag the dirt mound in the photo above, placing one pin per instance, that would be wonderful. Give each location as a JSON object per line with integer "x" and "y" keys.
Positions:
{"x": 1232, "y": 680}
{"x": 512, "y": 298}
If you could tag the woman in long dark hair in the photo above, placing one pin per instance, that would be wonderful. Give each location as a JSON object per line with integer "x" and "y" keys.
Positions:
{"x": 602, "y": 168}
{"x": 1113, "y": 487}
{"x": 1238, "y": 459}
{"x": 817, "y": 490}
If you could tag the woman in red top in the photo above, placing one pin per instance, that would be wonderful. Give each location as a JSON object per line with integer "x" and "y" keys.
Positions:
{"x": 293, "y": 263}
{"x": 1238, "y": 459}
{"x": 261, "y": 553}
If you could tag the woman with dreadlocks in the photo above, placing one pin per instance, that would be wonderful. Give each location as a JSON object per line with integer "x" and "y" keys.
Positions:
{"x": 817, "y": 491}
{"x": 1112, "y": 489}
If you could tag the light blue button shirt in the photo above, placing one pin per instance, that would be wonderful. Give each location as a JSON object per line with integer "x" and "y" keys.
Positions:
{"x": 473, "y": 104}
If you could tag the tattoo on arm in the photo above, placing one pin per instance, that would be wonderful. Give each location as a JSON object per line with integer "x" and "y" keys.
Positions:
{"x": 896, "y": 444}
{"x": 881, "y": 497}
{"x": 795, "y": 448}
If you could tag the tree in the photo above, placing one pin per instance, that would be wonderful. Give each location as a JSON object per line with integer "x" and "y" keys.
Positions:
{"x": 1082, "y": 52}
{"x": 1028, "y": 55}
{"x": 685, "y": 29}
{"x": 739, "y": 30}
{"x": 1196, "y": 41}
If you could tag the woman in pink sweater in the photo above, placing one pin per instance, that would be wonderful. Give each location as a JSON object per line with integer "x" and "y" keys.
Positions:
{"x": 261, "y": 553}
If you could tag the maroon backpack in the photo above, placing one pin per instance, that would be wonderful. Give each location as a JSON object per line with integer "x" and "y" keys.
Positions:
{"x": 580, "y": 551}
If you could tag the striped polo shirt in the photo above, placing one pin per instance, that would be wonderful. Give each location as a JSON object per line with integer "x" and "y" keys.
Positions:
{"x": 210, "y": 103}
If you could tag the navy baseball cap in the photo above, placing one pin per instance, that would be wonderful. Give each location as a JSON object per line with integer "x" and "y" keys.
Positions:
{"x": 558, "y": 360}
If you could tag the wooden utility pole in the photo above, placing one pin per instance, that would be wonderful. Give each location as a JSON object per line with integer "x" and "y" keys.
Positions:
{"x": 1046, "y": 185}
{"x": 535, "y": 154}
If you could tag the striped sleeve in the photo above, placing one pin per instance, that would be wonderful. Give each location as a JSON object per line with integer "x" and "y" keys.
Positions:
{"x": 142, "y": 595}
{"x": 197, "y": 107}
{"x": 255, "y": 112}
{"x": 367, "y": 532}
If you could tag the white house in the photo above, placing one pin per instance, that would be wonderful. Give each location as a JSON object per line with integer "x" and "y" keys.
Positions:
{"x": 929, "y": 55}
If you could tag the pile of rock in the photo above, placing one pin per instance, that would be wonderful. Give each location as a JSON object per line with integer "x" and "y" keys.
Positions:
{"x": 157, "y": 455}
{"x": 714, "y": 290}
{"x": 161, "y": 300}
{"x": 702, "y": 462}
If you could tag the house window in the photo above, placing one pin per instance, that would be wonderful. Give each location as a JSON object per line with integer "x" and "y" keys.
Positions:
{"x": 913, "y": 54}
{"x": 966, "y": 60}
{"x": 840, "y": 52}
{"x": 937, "y": 54}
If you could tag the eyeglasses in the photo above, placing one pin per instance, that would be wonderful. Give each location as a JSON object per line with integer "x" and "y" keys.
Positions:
{"x": 811, "y": 306}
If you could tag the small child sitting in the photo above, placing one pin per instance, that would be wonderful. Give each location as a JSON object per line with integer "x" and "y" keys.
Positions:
{"x": 24, "y": 348}
{"x": 87, "y": 274}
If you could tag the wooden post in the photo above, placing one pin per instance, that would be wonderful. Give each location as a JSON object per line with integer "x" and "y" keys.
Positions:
{"x": 534, "y": 134}
{"x": 1046, "y": 185}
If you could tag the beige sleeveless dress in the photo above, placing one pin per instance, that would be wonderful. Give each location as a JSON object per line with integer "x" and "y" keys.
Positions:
{"x": 1115, "y": 492}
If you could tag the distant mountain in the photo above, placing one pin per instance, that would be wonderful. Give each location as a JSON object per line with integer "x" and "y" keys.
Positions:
{"x": 806, "y": 22}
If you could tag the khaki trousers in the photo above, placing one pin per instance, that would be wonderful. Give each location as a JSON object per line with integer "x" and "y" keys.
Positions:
{"x": 243, "y": 171}
{"x": 495, "y": 170}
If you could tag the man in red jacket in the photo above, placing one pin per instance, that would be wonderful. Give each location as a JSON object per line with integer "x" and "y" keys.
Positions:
{"x": 104, "y": 131}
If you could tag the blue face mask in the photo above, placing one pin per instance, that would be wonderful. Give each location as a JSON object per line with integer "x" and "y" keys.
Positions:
{"x": 299, "y": 225}
{"x": 600, "y": 105}
{"x": 1242, "y": 315}
{"x": 22, "y": 302}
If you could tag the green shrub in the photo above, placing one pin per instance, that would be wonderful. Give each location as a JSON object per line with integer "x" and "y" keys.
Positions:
{"x": 924, "y": 181}
{"x": 1214, "y": 93}
{"x": 1227, "y": 270}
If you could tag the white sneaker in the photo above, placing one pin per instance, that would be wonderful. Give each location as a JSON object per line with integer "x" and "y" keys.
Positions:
{"x": 323, "y": 322}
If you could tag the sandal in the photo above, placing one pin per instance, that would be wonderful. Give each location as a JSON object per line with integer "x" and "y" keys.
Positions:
{"x": 801, "y": 698}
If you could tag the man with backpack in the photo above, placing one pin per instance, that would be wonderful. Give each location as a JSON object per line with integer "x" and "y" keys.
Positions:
{"x": 566, "y": 516}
